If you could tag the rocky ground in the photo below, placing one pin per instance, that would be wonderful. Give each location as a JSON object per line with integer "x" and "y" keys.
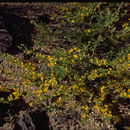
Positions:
{"x": 19, "y": 115}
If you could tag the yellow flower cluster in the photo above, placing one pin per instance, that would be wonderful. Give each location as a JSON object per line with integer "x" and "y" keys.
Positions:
{"x": 14, "y": 95}
{"x": 40, "y": 75}
{"x": 107, "y": 113}
{"x": 86, "y": 111}
{"x": 94, "y": 74}
{"x": 40, "y": 57}
{"x": 64, "y": 8}
{"x": 97, "y": 108}
{"x": 125, "y": 26}
{"x": 103, "y": 93}
{"x": 123, "y": 94}
{"x": 51, "y": 61}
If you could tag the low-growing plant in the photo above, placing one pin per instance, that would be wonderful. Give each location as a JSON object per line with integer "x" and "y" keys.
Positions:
{"x": 73, "y": 75}
{"x": 95, "y": 25}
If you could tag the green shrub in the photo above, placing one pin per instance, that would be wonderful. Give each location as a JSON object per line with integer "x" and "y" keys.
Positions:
{"x": 91, "y": 82}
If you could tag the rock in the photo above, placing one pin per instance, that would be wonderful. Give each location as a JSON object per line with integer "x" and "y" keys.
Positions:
{"x": 5, "y": 37}
{"x": 68, "y": 121}
{"x": 5, "y": 40}
{"x": 14, "y": 31}
{"x": 34, "y": 120}
{"x": 25, "y": 123}
{"x": 40, "y": 119}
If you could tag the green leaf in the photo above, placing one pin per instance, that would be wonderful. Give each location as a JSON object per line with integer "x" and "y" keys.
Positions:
{"x": 100, "y": 38}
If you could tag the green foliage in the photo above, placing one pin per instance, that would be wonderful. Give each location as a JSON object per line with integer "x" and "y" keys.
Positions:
{"x": 94, "y": 25}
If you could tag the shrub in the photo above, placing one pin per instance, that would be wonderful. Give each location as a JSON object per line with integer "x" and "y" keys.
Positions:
{"x": 63, "y": 75}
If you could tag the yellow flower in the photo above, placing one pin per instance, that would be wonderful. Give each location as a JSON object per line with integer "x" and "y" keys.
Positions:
{"x": 91, "y": 60}
{"x": 86, "y": 8}
{"x": 52, "y": 84}
{"x": 39, "y": 74}
{"x": 84, "y": 116}
{"x": 126, "y": 68}
{"x": 26, "y": 69}
{"x": 39, "y": 91}
{"x": 11, "y": 77}
{"x": 73, "y": 105}
{"x": 96, "y": 107}
{"x": 99, "y": 64}
{"x": 83, "y": 107}
{"x": 14, "y": 93}
{"x": 106, "y": 106}
{"x": 97, "y": 60}
{"x": 64, "y": 8}
{"x": 33, "y": 77}
{"x": 71, "y": 50}
{"x": 0, "y": 87}
{"x": 102, "y": 88}
{"x": 12, "y": 57}
{"x": 60, "y": 88}
{"x": 109, "y": 72}
{"x": 98, "y": 6}
{"x": 33, "y": 72}
{"x": 49, "y": 58}
{"x": 95, "y": 71}
{"x": 73, "y": 61}
{"x": 46, "y": 89}
{"x": 31, "y": 104}
{"x": 126, "y": 27}
{"x": 28, "y": 52}
{"x": 39, "y": 95}
{"x": 110, "y": 69}
{"x": 100, "y": 74}
{"x": 75, "y": 48}
{"x": 75, "y": 56}
{"x": 88, "y": 30}
{"x": 82, "y": 14}
{"x": 39, "y": 61}
{"x": 125, "y": 24}
{"x": 121, "y": 60}
{"x": 79, "y": 50}
{"x": 59, "y": 99}
{"x": 125, "y": 94}
{"x": 49, "y": 81}
{"x": 86, "y": 108}
{"x": 61, "y": 58}
{"x": 41, "y": 98}
{"x": 74, "y": 86}
{"x": 41, "y": 78}
{"x": 10, "y": 62}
